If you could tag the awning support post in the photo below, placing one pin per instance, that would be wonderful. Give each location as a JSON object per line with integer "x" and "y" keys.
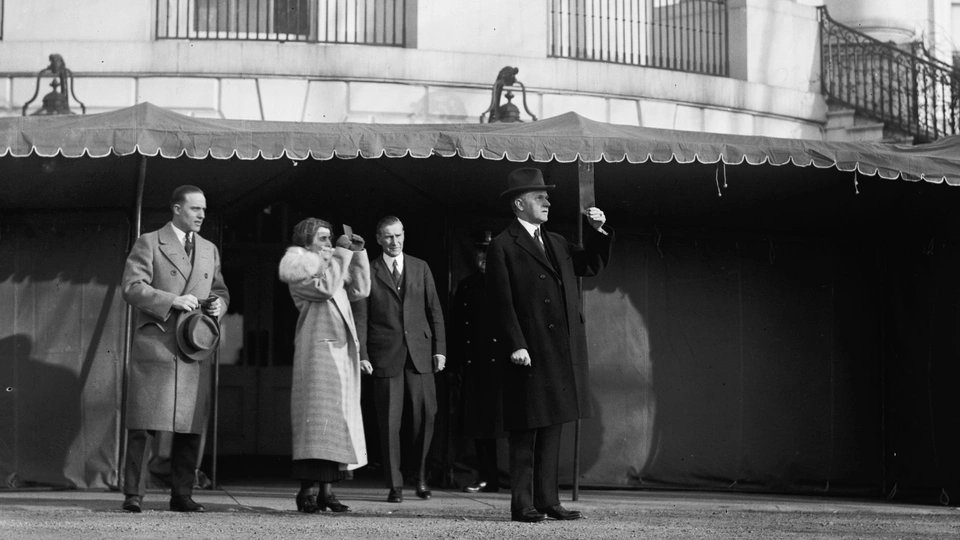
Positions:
{"x": 128, "y": 322}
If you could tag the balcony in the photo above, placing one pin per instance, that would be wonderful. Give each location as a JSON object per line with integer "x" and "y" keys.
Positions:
{"x": 683, "y": 35}
{"x": 368, "y": 22}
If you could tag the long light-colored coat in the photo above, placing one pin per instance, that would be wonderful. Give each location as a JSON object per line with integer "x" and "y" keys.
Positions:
{"x": 325, "y": 396}
{"x": 165, "y": 391}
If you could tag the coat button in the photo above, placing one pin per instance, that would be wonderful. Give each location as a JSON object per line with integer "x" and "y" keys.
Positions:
{"x": 543, "y": 276}
{"x": 550, "y": 326}
{"x": 494, "y": 340}
{"x": 546, "y": 300}
{"x": 468, "y": 342}
{"x": 466, "y": 323}
{"x": 173, "y": 272}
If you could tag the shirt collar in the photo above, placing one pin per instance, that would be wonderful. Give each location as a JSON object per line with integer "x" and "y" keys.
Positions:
{"x": 181, "y": 235}
{"x": 529, "y": 227}
{"x": 389, "y": 261}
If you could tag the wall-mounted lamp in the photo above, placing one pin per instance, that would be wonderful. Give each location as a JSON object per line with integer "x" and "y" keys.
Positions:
{"x": 58, "y": 100}
{"x": 508, "y": 112}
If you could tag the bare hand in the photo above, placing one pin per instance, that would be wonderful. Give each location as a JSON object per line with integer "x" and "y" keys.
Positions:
{"x": 366, "y": 367}
{"x": 439, "y": 362}
{"x": 343, "y": 241}
{"x": 521, "y": 357}
{"x": 213, "y": 307}
{"x": 596, "y": 217}
{"x": 187, "y": 302}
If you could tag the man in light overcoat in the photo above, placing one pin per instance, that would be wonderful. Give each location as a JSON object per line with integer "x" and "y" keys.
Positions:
{"x": 169, "y": 272}
{"x": 532, "y": 279}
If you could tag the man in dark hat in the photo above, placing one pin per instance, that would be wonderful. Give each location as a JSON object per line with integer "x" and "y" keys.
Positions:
{"x": 532, "y": 279}
{"x": 475, "y": 356}
{"x": 170, "y": 273}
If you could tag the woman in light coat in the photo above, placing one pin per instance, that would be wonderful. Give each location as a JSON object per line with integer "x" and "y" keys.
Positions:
{"x": 325, "y": 396}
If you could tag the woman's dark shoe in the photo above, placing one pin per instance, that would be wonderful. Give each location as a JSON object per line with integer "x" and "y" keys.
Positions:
{"x": 307, "y": 503}
{"x": 330, "y": 501}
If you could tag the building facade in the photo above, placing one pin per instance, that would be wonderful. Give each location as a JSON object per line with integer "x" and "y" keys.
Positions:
{"x": 417, "y": 61}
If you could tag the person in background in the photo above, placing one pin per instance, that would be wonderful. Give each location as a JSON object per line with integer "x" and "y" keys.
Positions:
{"x": 475, "y": 354}
{"x": 325, "y": 413}
{"x": 404, "y": 345}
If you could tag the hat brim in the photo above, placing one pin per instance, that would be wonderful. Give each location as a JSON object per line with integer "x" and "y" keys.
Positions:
{"x": 519, "y": 190}
{"x": 188, "y": 351}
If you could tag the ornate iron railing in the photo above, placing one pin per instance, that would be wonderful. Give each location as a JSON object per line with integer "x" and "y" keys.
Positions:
{"x": 908, "y": 92}
{"x": 684, "y": 35}
{"x": 369, "y": 22}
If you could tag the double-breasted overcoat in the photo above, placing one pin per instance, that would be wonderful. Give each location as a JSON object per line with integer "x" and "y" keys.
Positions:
{"x": 474, "y": 353}
{"x": 167, "y": 391}
{"x": 537, "y": 304}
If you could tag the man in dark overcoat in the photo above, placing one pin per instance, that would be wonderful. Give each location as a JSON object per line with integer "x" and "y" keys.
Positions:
{"x": 475, "y": 356}
{"x": 403, "y": 342}
{"x": 169, "y": 272}
{"x": 532, "y": 278}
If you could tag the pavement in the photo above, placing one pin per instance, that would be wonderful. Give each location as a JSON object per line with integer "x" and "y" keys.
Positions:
{"x": 265, "y": 510}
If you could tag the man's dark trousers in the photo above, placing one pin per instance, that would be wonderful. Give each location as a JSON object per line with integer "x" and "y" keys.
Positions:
{"x": 535, "y": 455}
{"x": 184, "y": 456}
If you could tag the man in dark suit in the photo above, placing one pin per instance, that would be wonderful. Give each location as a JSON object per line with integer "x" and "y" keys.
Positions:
{"x": 169, "y": 272}
{"x": 402, "y": 345}
{"x": 532, "y": 279}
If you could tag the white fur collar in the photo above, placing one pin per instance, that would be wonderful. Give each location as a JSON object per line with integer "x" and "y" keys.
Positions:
{"x": 299, "y": 264}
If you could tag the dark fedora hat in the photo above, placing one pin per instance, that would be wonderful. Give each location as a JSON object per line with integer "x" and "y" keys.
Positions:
{"x": 198, "y": 334}
{"x": 523, "y": 180}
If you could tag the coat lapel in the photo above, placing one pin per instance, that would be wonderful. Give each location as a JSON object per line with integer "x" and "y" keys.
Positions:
{"x": 202, "y": 253}
{"x": 381, "y": 273}
{"x": 172, "y": 249}
{"x": 526, "y": 243}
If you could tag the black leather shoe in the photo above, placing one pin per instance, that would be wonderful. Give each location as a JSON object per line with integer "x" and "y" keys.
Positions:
{"x": 132, "y": 504}
{"x": 423, "y": 491}
{"x": 559, "y": 512}
{"x": 307, "y": 503}
{"x": 185, "y": 503}
{"x": 475, "y": 487}
{"x": 331, "y": 502}
{"x": 527, "y": 515}
{"x": 395, "y": 495}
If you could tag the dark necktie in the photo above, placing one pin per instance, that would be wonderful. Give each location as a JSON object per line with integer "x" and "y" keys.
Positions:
{"x": 536, "y": 236}
{"x": 396, "y": 274}
{"x": 188, "y": 245}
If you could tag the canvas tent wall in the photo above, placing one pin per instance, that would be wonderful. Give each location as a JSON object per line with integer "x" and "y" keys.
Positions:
{"x": 780, "y": 314}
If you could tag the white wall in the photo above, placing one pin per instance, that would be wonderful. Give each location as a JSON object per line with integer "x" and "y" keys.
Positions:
{"x": 461, "y": 45}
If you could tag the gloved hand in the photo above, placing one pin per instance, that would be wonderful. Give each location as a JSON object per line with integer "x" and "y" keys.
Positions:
{"x": 343, "y": 241}
{"x": 357, "y": 243}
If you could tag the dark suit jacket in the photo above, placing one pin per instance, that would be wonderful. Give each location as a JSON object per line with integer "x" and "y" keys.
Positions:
{"x": 391, "y": 325}
{"x": 538, "y": 307}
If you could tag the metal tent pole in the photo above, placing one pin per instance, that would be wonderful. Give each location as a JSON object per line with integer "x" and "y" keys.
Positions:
{"x": 128, "y": 322}
{"x": 586, "y": 198}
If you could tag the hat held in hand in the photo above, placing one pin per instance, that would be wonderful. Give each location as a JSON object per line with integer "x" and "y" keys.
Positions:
{"x": 523, "y": 180}
{"x": 198, "y": 335}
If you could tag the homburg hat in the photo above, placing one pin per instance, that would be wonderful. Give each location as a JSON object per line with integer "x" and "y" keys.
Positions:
{"x": 198, "y": 334}
{"x": 523, "y": 180}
